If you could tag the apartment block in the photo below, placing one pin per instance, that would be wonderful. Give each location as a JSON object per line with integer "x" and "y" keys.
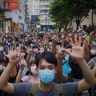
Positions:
{"x": 39, "y": 9}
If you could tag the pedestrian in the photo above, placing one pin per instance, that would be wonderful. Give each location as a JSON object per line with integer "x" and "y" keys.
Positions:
{"x": 46, "y": 67}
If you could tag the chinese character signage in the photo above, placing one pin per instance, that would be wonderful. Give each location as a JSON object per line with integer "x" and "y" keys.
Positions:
{"x": 13, "y": 5}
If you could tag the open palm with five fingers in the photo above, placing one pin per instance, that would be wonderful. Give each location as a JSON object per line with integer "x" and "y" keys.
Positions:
{"x": 13, "y": 55}
{"x": 77, "y": 50}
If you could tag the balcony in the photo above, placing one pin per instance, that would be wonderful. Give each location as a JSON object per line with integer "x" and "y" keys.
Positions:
{"x": 44, "y": 8}
{"x": 44, "y": 3}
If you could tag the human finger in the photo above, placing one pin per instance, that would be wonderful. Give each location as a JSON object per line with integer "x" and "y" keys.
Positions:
{"x": 80, "y": 41}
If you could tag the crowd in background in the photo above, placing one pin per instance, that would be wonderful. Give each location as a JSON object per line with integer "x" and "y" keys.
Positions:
{"x": 33, "y": 43}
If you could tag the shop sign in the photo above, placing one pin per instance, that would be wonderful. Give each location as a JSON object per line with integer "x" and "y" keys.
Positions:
{"x": 13, "y": 5}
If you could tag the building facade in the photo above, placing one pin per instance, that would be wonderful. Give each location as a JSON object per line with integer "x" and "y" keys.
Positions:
{"x": 39, "y": 13}
{"x": 34, "y": 7}
{"x": 21, "y": 15}
{"x": 11, "y": 15}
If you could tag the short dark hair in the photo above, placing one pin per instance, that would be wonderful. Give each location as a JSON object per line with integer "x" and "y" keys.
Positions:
{"x": 46, "y": 55}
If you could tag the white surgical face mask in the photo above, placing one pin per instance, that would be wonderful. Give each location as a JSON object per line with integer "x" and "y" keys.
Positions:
{"x": 33, "y": 69}
{"x": 22, "y": 54}
{"x": 1, "y": 48}
{"x": 50, "y": 43}
{"x": 31, "y": 45}
{"x": 58, "y": 46}
{"x": 9, "y": 43}
{"x": 23, "y": 61}
{"x": 93, "y": 52}
{"x": 17, "y": 48}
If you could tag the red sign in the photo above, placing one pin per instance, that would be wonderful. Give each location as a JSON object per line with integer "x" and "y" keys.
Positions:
{"x": 13, "y": 5}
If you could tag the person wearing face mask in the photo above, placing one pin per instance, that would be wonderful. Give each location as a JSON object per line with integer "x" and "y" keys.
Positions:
{"x": 46, "y": 64}
{"x": 23, "y": 55}
{"x": 93, "y": 51}
{"x": 58, "y": 46}
{"x": 92, "y": 61}
{"x": 32, "y": 77}
{"x": 1, "y": 49}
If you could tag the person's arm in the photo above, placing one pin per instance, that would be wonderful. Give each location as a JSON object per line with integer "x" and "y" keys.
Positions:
{"x": 13, "y": 56}
{"x": 13, "y": 72}
{"x": 78, "y": 53}
{"x": 89, "y": 78}
{"x": 87, "y": 52}
{"x": 29, "y": 57}
{"x": 19, "y": 75}
{"x": 60, "y": 76}
{"x": 54, "y": 38}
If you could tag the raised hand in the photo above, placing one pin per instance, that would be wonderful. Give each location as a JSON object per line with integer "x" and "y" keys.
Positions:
{"x": 77, "y": 50}
{"x": 29, "y": 51}
{"x": 60, "y": 54}
{"x": 13, "y": 55}
{"x": 41, "y": 50}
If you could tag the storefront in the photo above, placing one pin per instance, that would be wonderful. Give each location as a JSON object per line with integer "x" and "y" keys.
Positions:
{"x": 11, "y": 16}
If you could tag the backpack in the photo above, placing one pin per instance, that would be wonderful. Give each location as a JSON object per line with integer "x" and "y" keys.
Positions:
{"x": 34, "y": 87}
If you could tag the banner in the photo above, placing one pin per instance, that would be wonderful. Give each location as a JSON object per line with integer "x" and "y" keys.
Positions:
{"x": 13, "y": 5}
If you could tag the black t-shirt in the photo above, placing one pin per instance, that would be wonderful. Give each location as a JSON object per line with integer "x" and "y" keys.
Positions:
{"x": 76, "y": 70}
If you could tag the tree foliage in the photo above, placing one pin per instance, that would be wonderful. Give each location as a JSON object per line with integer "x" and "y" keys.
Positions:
{"x": 64, "y": 11}
{"x": 58, "y": 14}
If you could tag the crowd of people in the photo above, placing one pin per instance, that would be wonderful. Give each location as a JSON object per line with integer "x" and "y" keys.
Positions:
{"x": 46, "y": 59}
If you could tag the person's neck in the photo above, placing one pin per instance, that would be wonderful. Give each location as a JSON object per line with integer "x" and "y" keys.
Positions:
{"x": 45, "y": 87}
{"x": 35, "y": 75}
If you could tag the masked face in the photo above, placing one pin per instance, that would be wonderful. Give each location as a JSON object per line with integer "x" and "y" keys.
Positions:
{"x": 93, "y": 52}
{"x": 50, "y": 43}
{"x": 22, "y": 54}
{"x": 46, "y": 76}
{"x": 46, "y": 72}
{"x": 31, "y": 45}
{"x": 9, "y": 43}
{"x": 33, "y": 69}
{"x": 58, "y": 47}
